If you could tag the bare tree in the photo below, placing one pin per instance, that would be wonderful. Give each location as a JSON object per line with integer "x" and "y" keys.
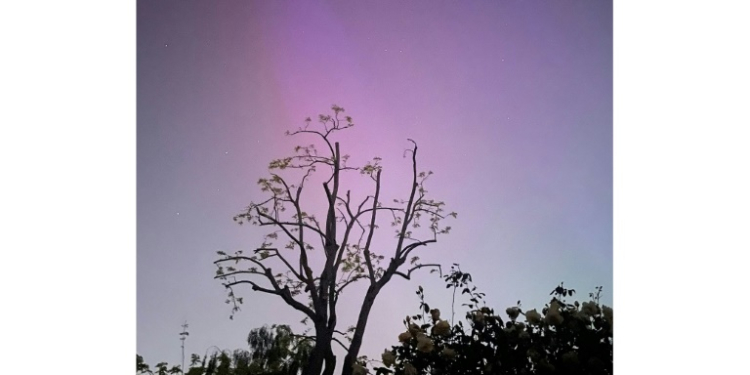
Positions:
{"x": 345, "y": 236}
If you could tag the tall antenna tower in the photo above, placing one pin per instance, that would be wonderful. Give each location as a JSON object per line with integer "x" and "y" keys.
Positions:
{"x": 183, "y": 335}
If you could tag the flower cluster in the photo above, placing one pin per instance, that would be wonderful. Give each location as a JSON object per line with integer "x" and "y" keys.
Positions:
{"x": 561, "y": 339}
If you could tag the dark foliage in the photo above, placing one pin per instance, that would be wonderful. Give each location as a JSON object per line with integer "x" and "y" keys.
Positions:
{"x": 564, "y": 338}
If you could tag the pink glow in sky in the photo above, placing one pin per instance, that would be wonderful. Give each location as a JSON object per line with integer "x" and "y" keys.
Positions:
{"x": 509, "y": 101}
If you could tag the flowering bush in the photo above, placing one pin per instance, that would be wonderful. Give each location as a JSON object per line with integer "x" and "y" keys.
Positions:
{"x": 564, "y": 339}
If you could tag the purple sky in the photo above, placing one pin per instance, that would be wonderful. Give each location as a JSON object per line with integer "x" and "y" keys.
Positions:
{"x": 509, "y": 101}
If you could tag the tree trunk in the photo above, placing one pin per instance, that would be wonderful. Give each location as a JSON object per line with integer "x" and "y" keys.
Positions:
{"x": 322, "y": 354}
{"x": 315, "y": 362}
{"x": 330, "y": 363}
{"x": 356, "y": 344}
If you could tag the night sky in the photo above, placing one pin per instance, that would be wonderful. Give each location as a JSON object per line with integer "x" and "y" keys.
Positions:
{"x": 509, "y": 101}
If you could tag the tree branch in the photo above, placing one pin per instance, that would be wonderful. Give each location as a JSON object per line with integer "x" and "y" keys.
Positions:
{"x": 368, "y": 261}
{"x": 237, "y": 258}
{"x": 345, "y": 284}
{"x": 407, "y": 276}
{"x": 283, "y": 223}
{"x": 283, "y": 293}
{"x": 304, "y": 337}
{"x": 409, "y": 205}
{"x": 408, "y": 249}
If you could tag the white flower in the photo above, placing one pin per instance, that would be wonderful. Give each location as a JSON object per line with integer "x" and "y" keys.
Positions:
{"x": 512, "y": 312}
{"x": 435, "y": 313}
{"x": 546, "y": 366}
{"x": 595, "y": 363}
{"x": 424, "y": 343}
{"x": 553, "y": 314}
{"x": 570, "y": 357}
{"x": 554, "y": 318}
{"x": 533, "y": 354}
{"x": 442, "y": 328}
{"x": 478, "y": 317}
{"x": 358, "y": 369}
{"x": 389, "y": 358}
{"x": 590, "y": 308}
{"x": 404, "y": 337}
{"x": 409, "y": 369}
{"x": 607, "y": 313}
{"x": 581, "y": 315}
{"x": 533, "y": 317}
{"x": 448, "y": 352}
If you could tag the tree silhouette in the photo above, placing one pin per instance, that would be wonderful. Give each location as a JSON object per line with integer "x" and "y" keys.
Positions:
{"x": 274, "y": 350}
{"x": 345, "y": 234}
{"x": 161, "y": 368}
{"x": 277, "y": 350}
{"x": 140, "y": 366}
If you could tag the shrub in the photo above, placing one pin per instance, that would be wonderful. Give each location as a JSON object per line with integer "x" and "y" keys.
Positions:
{"x": 563, "y": 339}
